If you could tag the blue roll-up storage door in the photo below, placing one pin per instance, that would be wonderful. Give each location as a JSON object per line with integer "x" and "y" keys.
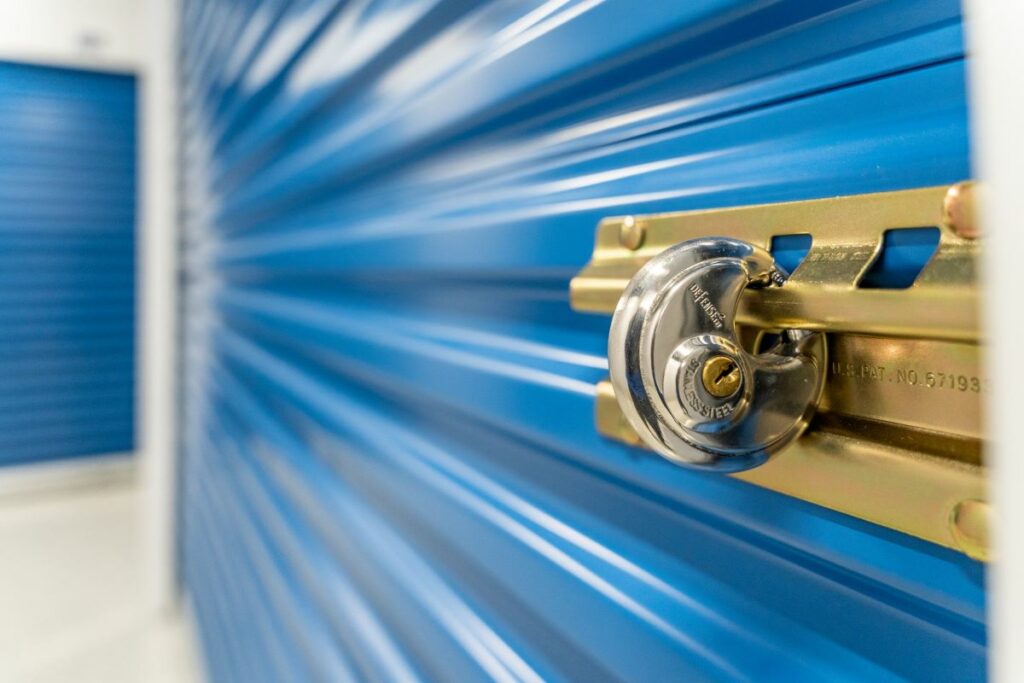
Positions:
{"x": 391, "y": 469}
{"x": 67, "y": 263}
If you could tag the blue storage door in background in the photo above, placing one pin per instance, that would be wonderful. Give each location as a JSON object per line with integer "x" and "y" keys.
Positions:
{"x": 67, "y": 263}
{"x": 391, "y": 469}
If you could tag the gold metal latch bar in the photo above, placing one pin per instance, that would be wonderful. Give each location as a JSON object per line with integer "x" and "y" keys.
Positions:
{"x": 898, "y": 438}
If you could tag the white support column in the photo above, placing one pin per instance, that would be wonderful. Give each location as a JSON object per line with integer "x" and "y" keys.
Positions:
{"x": 995, "y": 33}
{"x": 158, "y": 260}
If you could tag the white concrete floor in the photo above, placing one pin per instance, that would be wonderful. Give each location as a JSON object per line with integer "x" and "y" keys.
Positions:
{"x": 71, "y": 584}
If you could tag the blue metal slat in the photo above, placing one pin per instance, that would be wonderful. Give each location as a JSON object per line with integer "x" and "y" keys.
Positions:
{"x": 604, "y": 575}
{"x": 384, "y": 385}
{"x": 462, "y": 645}
{"x": 483, "y": 378}
{"x": 84, "y": 439}
{"x": 303, "y": 558}
{"x": 312, "y": 157}
{"x": 67, "y": 280}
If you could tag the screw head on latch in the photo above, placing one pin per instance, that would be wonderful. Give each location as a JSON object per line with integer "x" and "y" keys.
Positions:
{"x": 680, "y": 375}
{"x": 631, "y": 233}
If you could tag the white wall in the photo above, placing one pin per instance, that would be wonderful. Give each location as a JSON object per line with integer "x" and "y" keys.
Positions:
{"x": 88, "y": 33}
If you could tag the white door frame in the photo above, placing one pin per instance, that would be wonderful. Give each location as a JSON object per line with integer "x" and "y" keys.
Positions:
{"x": 996, "y": 49}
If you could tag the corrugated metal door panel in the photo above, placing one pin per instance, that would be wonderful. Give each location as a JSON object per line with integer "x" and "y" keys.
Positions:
{"x": 391, "y": 467}
{"x": 67, "y": 263}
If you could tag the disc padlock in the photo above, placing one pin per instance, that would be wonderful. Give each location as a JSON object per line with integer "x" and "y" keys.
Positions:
{"x": 680, "y": 375}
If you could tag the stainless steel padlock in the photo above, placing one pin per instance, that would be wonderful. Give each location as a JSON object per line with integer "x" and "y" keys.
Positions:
{"x": 685, "y": 384}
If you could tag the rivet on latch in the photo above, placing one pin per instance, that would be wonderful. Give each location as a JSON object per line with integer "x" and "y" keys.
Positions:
{"x": 969, "y": 522}
{"x": 958, "y": 211}
{"x": 721, "y": 376}
{"x": 631, "y": 233}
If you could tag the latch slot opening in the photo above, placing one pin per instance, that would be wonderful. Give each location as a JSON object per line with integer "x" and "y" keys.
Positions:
{"x": 903, "y": 255}
{"x": 791, "y": 250}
